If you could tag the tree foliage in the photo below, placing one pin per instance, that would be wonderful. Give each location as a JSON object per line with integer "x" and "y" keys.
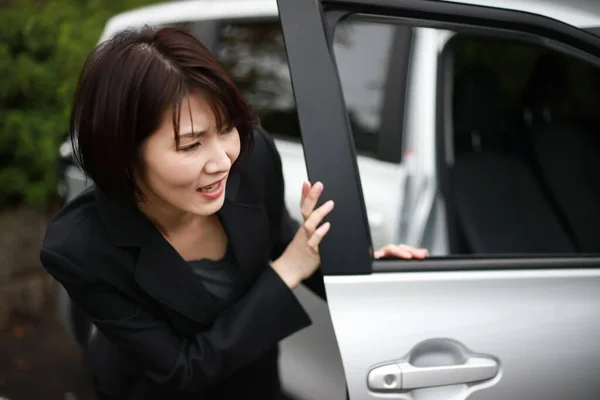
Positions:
{"x": 42, "y": 47}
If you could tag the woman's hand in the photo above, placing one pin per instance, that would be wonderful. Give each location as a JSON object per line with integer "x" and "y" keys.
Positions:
{"x": 301, "y": 257}
{"x": 401, "y": 251}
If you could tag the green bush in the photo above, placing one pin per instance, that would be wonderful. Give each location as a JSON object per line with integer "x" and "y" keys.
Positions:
{"x": 42, "y": 47}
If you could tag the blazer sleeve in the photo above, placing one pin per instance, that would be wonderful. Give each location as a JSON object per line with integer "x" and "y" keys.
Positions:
{"x": 284, "y": 226}
{"x": 267, "y": 313}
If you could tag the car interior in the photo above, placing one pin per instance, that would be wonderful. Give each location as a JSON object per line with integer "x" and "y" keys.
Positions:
{"x": 526, "y": 172}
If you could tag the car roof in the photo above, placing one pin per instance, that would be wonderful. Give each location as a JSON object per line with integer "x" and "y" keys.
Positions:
{"x": 183, "y": 11}
{"x": 579, "y": 13}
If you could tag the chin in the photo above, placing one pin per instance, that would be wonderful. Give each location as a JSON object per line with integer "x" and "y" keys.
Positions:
{"x": 210, "y": 208}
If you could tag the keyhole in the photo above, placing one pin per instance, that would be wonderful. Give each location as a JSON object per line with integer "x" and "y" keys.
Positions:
{"x": 389, "y": 380}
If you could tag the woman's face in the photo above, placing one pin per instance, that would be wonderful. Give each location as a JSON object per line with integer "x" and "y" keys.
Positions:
{"x": 193, "y": 177}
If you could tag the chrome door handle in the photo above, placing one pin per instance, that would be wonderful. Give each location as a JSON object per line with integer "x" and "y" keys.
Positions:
{"x": 405, "y": 376}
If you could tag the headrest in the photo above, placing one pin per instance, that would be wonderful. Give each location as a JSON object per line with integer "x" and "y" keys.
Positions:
{"x": 476, "y": 101}
{"x": 546, "y": 87}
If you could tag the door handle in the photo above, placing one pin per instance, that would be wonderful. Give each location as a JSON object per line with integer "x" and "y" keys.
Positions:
{"x": 405, "y": 376}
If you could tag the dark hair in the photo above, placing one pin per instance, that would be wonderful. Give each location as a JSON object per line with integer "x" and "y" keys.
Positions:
{"x": 126, "y": 85}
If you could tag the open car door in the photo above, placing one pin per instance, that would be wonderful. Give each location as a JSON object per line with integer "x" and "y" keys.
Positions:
{"x": 477, "y": 326}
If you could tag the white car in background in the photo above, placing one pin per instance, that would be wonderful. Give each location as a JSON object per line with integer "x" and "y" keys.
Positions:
{"x": 439, "y": 110}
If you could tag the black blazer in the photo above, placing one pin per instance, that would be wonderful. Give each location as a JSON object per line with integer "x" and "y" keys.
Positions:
{"x": 161, "y": 335}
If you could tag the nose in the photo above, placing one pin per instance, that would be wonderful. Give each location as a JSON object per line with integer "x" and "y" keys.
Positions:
{"x": 219, "y": 161}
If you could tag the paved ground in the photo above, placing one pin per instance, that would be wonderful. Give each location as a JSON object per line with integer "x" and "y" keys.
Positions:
{"x": 38, "y": 361}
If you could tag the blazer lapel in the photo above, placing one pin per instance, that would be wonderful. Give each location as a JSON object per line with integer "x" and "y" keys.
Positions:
{"x": 247, "y": 229}
{"x": 164, "y": 275}
{"x": 160, "y": 270}
{"x": 246, "y": 223}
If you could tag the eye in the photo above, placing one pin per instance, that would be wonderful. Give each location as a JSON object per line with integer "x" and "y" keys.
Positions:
{"x": 191, "y": 147}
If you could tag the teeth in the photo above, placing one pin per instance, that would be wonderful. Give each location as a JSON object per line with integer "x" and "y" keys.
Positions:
{"x": 209, "y": 188}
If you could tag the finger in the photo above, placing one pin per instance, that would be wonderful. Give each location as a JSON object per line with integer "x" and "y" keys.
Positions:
{"x": 401, "y": 251}
{"x": 318, "y": 235}
{"x": 398, "y": 252}
{"x": 416, "y": 252}
{"x": 310, "y": 201}
{"x": 379, "y": 253}
{"x": 385, "y": 251}
{"x": 420, "y": 253}
{"x": 315, "y": 218}
{"x": 305, "y": 189}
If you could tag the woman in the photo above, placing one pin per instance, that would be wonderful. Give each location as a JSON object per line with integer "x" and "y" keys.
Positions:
{"x": 183, "y": 253}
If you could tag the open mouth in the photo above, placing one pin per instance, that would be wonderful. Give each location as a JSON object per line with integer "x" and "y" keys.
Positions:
{"x": 212, "y": 188}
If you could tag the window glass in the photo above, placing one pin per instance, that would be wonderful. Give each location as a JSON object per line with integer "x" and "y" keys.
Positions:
{"x": 253, "y": 53}
{"x": 527, "y": 155}
{"x": 362, "y": 51}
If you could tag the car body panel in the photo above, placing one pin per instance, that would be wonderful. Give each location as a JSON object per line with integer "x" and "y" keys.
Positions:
{"x": 543, "y": 326}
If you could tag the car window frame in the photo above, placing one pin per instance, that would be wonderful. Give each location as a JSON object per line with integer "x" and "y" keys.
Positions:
{"x": 594, "y": 30}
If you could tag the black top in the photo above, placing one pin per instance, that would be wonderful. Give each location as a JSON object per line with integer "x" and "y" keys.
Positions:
{"x": 218, "y": 276}
{"x": 161, "y": 333}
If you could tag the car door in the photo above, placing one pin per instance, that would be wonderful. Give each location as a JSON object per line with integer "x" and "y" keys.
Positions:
{"x": 477, "y": 326}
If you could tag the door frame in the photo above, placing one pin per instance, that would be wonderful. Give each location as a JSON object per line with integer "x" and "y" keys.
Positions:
{"x": 308, "y": 29}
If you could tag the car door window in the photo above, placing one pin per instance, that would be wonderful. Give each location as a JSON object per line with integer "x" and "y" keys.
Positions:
{"x": 522, "y": 135}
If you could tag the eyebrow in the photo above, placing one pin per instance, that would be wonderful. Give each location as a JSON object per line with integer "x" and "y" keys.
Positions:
{"x": 192, "y": 134}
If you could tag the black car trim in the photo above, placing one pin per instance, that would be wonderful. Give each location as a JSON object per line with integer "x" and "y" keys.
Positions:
{"x": 328, "y": 145}
{"x": 488, "y": 263}
{"x": 475, "y": 15}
